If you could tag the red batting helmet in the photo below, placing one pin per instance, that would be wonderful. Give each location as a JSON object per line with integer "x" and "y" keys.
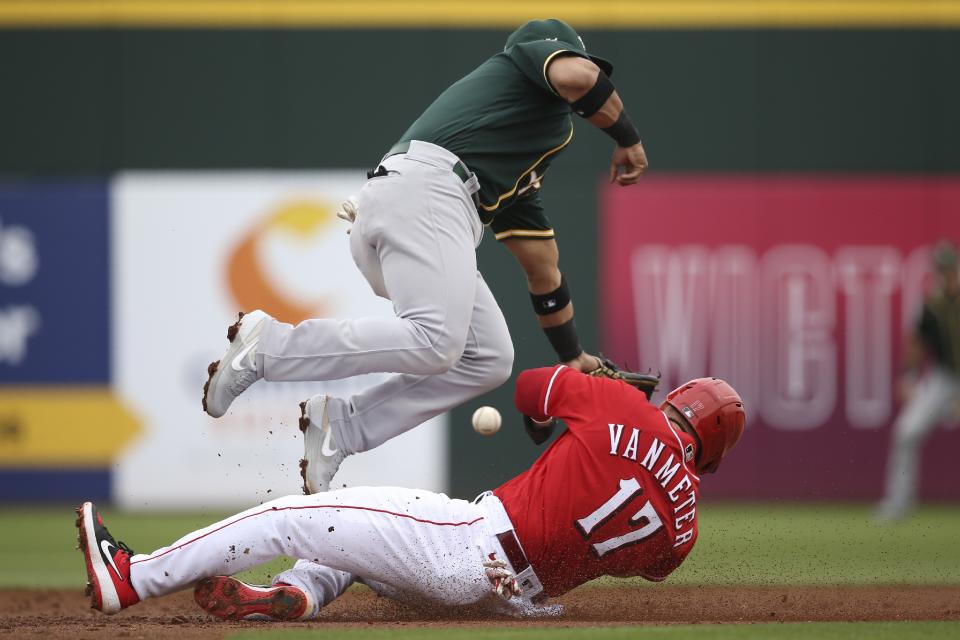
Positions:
{"x": 715, "y": 411}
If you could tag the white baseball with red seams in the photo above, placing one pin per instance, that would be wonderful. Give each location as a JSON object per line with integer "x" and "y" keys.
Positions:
{"x": 486, "y": 421}
{"x": 405, "y": 543}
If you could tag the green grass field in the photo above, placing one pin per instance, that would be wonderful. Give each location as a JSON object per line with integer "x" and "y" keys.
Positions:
{"x": 760, "y": 544}
{"x": 739, "y": 544}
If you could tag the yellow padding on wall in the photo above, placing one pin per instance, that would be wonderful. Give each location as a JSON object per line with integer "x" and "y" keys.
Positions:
{"x": 583, "y": 14}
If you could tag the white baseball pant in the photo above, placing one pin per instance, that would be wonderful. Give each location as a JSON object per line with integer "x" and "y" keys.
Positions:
{"x": 933, "y": 401}
{"x": 415, "y": 242}
{"x": 407, "y": 544}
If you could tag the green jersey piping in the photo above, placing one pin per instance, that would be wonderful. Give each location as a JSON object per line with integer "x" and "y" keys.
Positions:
{"x": 545, "y": 234}
{"x": 546, "y": 63}
{"x": 489, "y": 208}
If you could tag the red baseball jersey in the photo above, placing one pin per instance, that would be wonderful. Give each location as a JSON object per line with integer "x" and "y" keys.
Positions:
{"x": 613, "y": 495}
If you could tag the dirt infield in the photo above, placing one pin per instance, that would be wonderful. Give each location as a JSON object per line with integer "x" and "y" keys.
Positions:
{"x": 66, "y": 614}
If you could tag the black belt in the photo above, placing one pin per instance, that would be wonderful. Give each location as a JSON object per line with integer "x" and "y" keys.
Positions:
{"x": 459, "y": 169}
{"x": 518, "y": 560}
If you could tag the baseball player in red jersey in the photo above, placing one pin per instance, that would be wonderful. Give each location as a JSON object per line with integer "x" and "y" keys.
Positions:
{"x": 616, "y": 494}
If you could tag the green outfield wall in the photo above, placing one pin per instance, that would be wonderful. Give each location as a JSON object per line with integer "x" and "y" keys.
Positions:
{"x": 92, "y": 101}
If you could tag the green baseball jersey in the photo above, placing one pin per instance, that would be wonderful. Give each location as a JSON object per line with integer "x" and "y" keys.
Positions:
{"x": 939, "y": 329}
{"x": 506, "y": 123}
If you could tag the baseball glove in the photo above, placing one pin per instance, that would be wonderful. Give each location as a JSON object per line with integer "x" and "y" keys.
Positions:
{"x": 645, "y": 382}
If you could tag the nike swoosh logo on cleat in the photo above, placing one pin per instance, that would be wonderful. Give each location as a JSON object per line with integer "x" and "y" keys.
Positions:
{"x": 105, "y": 547}
{"x": 236, "y": 363}
{"x": 325, "y": 449}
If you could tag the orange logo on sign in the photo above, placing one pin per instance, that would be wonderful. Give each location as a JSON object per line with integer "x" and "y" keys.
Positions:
{"x": 248, "y": 278}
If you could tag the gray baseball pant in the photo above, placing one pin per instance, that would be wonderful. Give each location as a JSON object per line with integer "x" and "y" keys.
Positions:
{"x": 932, "y": 403}
{"x": 415, "y": 242}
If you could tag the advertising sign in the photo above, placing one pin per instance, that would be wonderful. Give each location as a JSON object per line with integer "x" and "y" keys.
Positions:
{"x": 60, "y": 424}
{"x": 190, "y": 250}
{"x": 798, "y": 291}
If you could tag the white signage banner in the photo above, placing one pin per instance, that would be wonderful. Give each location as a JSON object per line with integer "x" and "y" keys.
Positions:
{"x": 190, "y": 250}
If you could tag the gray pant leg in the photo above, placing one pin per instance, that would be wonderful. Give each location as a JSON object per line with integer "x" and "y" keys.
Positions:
{"x": 416, "y": 234}
{"x": 322, "y": 583}
{"x": 931, "y": 402}
{"x": 401, "y": 402}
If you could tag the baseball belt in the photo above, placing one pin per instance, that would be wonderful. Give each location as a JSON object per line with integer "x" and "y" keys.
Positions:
{"x": 459, "y": 168}
{"x": 499, "y": 521}
{"x": 526, "y": 578}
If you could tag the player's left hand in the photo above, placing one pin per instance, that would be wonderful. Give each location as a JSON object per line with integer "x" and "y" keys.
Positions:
{"x": 504, "y": 582}
{"x": 645, "y": 382}
{"x": 584, "y": 363}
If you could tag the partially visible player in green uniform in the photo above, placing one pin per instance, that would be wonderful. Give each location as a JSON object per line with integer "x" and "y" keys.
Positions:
{"x": 476, "y": 156}
{"x": 929, "y": 384}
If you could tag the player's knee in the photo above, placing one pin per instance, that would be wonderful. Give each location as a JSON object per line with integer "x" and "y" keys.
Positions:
{"x": 441, "y": 357}
{"x": 440, "y": 348}
{"x": 501, "y": 356}
{"x": 445, "y": 359}
{"x": 908, "y": 437}
{"x": 909, "y": 431}
{"x": 497, "y": 366}
{"x": 502, "y": 365}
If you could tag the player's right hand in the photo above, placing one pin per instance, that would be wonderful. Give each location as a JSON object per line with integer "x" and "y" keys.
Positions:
{"x": 628, "y": 164}
{"x": 348, "y": 211}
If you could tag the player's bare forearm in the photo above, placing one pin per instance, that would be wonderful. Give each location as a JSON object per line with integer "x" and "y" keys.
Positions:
{"x": 578, "y": 81}
{"x": 608, "y": 113}
{"x": 628, "y": 163}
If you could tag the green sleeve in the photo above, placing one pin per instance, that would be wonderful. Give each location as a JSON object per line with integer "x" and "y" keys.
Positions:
{"x": 532, "y": 58}
{"x": 523, "y": 219}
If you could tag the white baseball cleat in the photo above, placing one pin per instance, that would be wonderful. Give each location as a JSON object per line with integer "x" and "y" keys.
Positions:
{"x": 322, "y": 454}
{"x": 237, "y": 369}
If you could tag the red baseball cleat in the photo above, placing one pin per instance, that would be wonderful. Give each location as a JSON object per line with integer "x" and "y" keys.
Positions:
{"x": 108, "y": 563}
{"x": 230, "y": 599}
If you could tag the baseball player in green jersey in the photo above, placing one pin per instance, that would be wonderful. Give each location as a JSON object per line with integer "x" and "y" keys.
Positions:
{"x": 934, "y": 396}
{"x": 477, "y": 156}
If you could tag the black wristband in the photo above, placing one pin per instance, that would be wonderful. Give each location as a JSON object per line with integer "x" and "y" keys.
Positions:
{"x": 564, "y": 340}
{"x": 594, "y": 99}
{"x": 547, "y": 303}
{"x": 623, "y": 131}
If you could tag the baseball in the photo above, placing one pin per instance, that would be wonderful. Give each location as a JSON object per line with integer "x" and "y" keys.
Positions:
{"x": 486, "y": 421}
